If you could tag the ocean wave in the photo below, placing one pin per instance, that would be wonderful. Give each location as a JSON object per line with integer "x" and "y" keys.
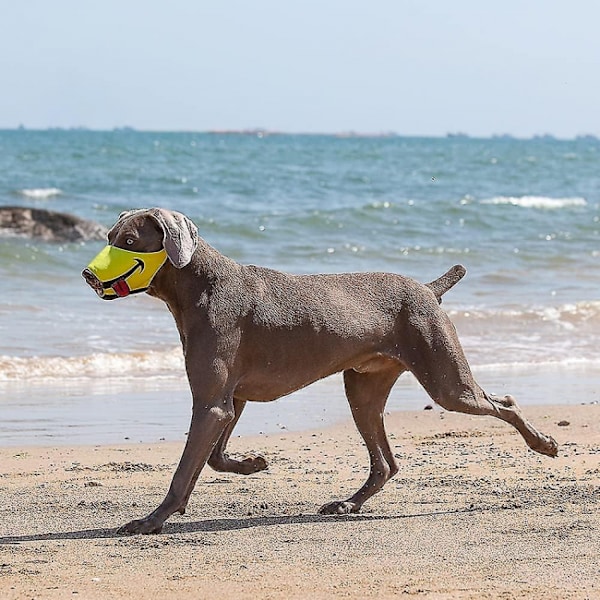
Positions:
{"x": 561, "y": 335}
{"x": 40, "y": 193}
{"x": 136, "y": 365}
{"x": 581, "y": 311}
{"x": 146, "y": 370}
{"x": 569, "y": 363}
{"x": 541, "y": 202}
{"x": 514, "y": 346}
{"x": 569, "y": 314}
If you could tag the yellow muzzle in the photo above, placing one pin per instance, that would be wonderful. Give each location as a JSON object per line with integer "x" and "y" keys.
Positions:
{"x": 116, "y": 273}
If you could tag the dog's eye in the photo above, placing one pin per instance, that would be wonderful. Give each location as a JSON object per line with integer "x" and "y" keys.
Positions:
{"x": 129, "y": 241}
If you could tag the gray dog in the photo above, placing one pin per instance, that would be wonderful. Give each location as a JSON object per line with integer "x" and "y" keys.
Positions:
{"x": 255, "y": 334}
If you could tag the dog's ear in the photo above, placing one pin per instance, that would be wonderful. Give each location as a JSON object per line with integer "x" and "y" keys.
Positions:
{"x": 180, "y": 235}
{"x": 129, "y": 213}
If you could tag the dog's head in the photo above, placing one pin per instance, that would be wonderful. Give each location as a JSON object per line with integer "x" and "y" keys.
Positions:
{"x": 139, "y": 244}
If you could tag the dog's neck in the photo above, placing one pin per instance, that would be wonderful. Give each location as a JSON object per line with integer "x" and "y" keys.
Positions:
{"x": 183, "y": 289}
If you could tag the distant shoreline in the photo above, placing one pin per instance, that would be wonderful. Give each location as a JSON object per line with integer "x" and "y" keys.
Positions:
{"x": 265, "y": 132}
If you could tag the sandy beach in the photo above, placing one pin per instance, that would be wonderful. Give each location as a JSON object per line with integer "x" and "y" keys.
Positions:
{"x": 472, "y": 514}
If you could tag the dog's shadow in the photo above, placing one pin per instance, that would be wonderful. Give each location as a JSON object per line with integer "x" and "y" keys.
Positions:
{"x": 216, "y": 525}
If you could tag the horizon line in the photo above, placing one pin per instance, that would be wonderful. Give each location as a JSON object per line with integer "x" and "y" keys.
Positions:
{"x": 265, "y": 132}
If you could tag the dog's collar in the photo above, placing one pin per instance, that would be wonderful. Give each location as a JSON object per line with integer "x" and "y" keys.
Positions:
{"x": 116, "y": 273}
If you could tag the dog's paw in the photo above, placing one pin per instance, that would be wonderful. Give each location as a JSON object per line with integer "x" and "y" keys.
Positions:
{"x": 254, "y": 463}
{"x": 248, "y": 465}
{"x": 144, "y": 526}
{"x": 339, "y": 507}
{"x": 546, "y": 445}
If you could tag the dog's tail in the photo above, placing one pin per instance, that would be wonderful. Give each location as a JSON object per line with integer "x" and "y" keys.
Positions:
{"x": 449, "y": 279}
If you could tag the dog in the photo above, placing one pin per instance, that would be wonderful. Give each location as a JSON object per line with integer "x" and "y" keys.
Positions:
{"x": 255, "y": 334}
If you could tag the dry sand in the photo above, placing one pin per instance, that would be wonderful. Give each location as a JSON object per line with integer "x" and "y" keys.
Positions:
{"x": 471, "y": 514}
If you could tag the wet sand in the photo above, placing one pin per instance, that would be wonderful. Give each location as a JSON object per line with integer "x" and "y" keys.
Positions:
{"x": 472, "y": 514}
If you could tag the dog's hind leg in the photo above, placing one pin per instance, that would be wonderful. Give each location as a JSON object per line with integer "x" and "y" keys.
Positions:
{"x": 473, "y": 400}
{"x": 367, "y": 393}
{"x": 219, "y": 459}
{"x": 438, "y": 362}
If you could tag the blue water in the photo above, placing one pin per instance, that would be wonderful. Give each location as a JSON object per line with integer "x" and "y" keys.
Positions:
{"x": 522, "y": 215}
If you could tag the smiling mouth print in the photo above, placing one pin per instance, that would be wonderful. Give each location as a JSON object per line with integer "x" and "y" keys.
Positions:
{"x": 119, "y": 285}
{"x": 117, "y": 273}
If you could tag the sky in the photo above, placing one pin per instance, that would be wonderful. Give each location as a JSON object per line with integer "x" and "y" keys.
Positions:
{"x": 413, "y": 67}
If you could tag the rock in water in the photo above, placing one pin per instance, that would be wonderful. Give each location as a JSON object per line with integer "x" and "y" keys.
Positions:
{"x": 49, "y": 225}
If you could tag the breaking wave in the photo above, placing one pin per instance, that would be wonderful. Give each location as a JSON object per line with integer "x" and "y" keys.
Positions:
{"x": 564, "y": 335}
{"x": 541, "y": 202}
{"x": 567, "y": 315}
{"x": 40, "y": 193}
{"x": 135, "y": 365}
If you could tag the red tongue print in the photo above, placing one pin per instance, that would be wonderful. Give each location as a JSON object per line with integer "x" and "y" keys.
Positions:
{"x": 121, "y": 288}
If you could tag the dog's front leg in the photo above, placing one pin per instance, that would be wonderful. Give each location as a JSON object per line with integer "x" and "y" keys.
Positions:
{"x": 206, "y": 427}
{"x": 219, "y": 459}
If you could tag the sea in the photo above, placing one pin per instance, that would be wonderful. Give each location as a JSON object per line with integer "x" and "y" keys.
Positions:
{"x": 522, "y": 215}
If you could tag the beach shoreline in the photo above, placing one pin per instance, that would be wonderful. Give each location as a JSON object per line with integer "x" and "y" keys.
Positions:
{"x": 107, "y": 411}
{"x": 472, "y": 513}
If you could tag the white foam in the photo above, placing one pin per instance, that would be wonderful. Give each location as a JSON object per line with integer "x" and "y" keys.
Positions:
{"x": 575, "y": 363}
{"x": 586, "y": 310}
{"x": 40, "y": 193}
{"x": 562, "y": 334}
{"x": 136, "y": 365}
{"x": 542, "y": 202}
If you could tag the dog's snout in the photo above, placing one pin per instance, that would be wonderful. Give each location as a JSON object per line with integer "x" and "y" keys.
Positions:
{"x": 87, "y": 275}
{"x": 92, "y": 280}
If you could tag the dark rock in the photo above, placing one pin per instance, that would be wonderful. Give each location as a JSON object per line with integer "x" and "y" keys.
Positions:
{"x": 49, "y": 225}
